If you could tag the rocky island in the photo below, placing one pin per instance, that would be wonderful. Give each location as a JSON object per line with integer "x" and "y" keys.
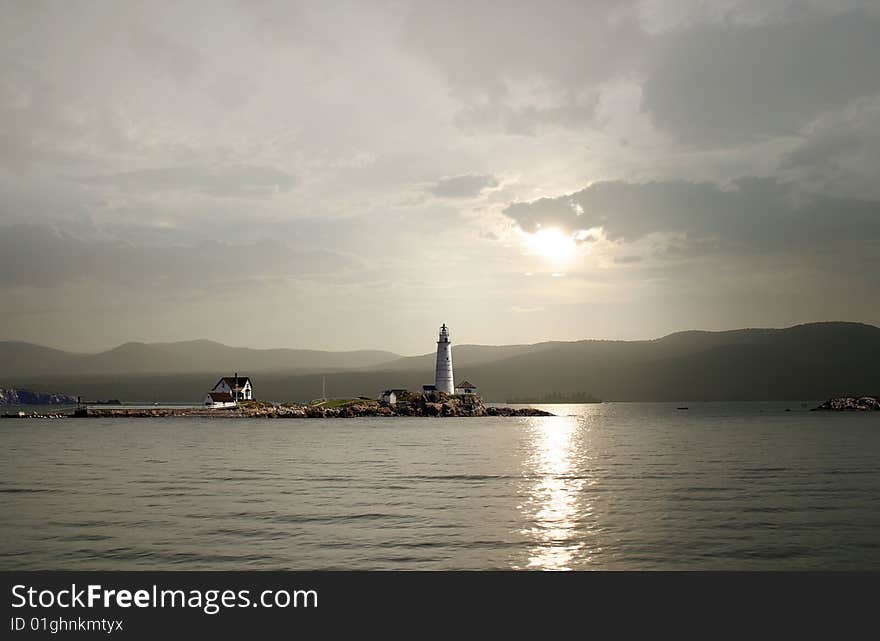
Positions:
{"x": 428, "y": 404}
{"x": 850, "y": 404}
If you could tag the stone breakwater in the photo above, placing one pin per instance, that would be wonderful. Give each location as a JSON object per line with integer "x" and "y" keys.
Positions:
{"x": 434, "y": 404}
{"x": 34, "y": 415}
{"x": 850, "y": 404}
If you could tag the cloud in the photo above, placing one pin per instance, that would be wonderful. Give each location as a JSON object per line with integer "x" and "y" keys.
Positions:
{"x": 528, "y": 120}
{"x": 709, "y": 73}
{"x": 822, "y": 147}
{"x": 840, "y": 151}
{"x": 524, "y": 65}
{"x": 546, "y": 212}
{"x": 41, "y": 256}
{"x": 179, "y": 61}
{"x": 480, "y": 46}
{"x": 241, "y": 181}
{"x": 183, "y": 152}
{"x": 750, "y": 215}
{"x": 465, "y": 186}
{"x": 715, "y": 83}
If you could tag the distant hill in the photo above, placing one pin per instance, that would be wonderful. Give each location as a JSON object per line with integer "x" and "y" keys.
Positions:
{"x": 468, "y": 355}
{"x": 806, "y": 362}
{"x": 27, "y": 360}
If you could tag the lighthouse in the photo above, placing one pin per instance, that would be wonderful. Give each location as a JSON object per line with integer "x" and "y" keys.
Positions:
{"x": 443, "y": 379}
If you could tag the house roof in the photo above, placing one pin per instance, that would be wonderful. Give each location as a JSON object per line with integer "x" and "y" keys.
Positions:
{"x": 429, "y": 387}
{"x": 231, "y": 381}
{"x": 466, "y": 384}
{"x": 221, "y": 397}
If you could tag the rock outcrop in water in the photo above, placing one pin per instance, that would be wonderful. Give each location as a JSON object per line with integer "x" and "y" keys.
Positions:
{"x": 850, "y": 404}
{"x": 433, "y": 404}
{"x": 27, "y": 397}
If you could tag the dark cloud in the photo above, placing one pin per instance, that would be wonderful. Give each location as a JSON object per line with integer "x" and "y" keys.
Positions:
{"x": 547, "y": 212}
{"x": 478, "y": 46}
{"x": 243, "y": 181}
{"x": 686, "y": 248}
{"x": 840, "y": 152}
{"x": 751, "y": 214}
{"x": 466, "y": 186}
{"x": 726, "y": 82}
{"x": 822, "y": 147}
{"x": 560, "y": 50}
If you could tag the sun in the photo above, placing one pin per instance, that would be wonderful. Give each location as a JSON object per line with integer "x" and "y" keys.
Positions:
{"x": 551, "y": 243}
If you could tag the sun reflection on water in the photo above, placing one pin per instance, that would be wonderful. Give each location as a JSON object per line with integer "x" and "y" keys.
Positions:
{"x": 556, "y": 503}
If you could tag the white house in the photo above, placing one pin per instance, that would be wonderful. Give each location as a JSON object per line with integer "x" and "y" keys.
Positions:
{"x": 390, "y": 396}
{"x": 219, "y": 399}
{"x": 229, "y": 390}
{"x": 465, "y": 388}
{"x": 239, "y": 386}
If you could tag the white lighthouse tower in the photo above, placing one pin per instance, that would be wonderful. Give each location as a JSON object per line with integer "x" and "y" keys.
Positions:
{"x": 443, "y": 379}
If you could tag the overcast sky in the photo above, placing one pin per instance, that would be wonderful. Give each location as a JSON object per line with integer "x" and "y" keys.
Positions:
{"x": 342, "y": 175}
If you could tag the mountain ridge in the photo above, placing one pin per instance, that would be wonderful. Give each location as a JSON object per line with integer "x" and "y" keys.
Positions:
{"x": 811, "y": 361}
{"x": 27, "y": 359}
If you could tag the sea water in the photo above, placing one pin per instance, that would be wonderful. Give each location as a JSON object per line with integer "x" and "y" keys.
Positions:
{"x": 600, "y": 486}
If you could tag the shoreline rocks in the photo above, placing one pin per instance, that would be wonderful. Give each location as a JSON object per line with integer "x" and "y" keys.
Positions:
{"x": 431, "y": 404}
{"x": 850, "y": 404}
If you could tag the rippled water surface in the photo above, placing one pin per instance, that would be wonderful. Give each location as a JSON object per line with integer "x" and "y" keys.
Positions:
{"x": 611, "y": 486}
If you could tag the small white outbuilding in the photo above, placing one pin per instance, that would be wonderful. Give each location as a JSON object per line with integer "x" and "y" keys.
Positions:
{"x": 465, "y": 388}
{"x": 390, "y": 396}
